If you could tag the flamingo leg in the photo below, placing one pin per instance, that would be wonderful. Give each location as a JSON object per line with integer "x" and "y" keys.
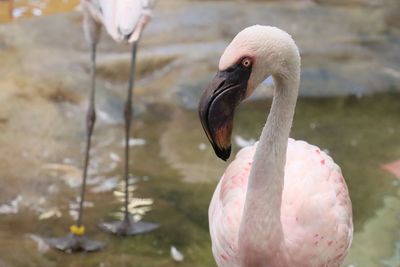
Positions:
{"x": 90, "y": 121}
{"x": 128, "y": 121}
{"x": 128, "y": 226}
{"x": 76, "y": 240}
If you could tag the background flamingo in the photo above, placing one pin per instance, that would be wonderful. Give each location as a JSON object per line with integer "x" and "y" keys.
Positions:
{"x": 124, "y": 20}
{"x": 280, "y": 203}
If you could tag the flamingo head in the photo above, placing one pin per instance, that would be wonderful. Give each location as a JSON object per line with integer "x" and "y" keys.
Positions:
{"x": 254, "y": 54}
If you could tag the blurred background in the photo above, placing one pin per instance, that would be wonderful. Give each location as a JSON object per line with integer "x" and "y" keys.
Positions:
{"x": 349, "y": 105}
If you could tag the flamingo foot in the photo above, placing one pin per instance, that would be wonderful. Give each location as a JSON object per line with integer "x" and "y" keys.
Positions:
{"x": 71, "y": 243}
{"x": 128, "y": 227}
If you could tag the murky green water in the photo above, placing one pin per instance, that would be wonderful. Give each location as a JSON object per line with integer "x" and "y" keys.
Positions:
{"x": 177, "y": 168}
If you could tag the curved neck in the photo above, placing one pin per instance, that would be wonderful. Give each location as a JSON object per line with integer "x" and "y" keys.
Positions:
{"x": 261, "y": 229}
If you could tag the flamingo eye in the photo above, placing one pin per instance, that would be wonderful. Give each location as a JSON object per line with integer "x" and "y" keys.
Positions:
{"x": 246, "y": 62}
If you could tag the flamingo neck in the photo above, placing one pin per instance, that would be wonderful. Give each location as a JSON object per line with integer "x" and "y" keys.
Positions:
{"x": 261, "y": 232}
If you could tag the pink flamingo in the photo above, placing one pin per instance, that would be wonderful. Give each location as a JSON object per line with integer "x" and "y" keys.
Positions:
{"x": 124, "y": 20}
{"x": 281, "y": 202}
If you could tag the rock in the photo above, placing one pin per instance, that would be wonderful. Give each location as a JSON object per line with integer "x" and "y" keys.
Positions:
{"x": 351, "y": 56}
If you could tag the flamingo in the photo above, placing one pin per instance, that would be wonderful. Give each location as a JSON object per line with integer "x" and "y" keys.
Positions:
{"x": 281, "y": 202}
{"x": 124, "y": 20}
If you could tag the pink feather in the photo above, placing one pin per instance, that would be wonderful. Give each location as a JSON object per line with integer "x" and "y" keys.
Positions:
{"x": 315, "y": 215}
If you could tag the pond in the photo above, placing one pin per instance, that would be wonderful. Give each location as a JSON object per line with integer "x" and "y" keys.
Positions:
{"x": 173, "y": 164}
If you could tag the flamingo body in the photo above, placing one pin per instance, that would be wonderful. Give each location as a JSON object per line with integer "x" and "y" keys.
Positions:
{"x": 124, "y": 20}
{"x": 315, "y": 211}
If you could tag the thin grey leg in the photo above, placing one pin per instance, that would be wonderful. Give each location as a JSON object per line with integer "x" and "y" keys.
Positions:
{"x": 76, "y": 239}
{"x": 128, "y": 120}
{"x": 128, "y": 226}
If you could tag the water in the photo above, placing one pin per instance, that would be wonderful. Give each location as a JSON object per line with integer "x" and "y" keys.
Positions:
{"x": 177, "y": 169}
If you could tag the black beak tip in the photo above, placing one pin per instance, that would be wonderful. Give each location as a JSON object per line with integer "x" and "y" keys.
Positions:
{"x": 223, "y": 153}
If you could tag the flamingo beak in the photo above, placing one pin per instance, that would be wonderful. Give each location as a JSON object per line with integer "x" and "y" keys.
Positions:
{"x": 217, "y": 107}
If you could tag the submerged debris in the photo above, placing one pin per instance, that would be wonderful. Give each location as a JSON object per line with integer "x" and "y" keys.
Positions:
{"x": 176, "y": 254}
{"x": 54, "y": 212}
{"x": 240, "y": 141}
{"x": 137, "y": 207}
{"x": 74, "y": 207}
{"x": 114, "y": 156}
{"x": 202, "y": 146}
{"x": 104, "y": 116}
{"x": 41, "y": 244}
{"x": 106, "y": 185}
{"x": 11, "y": 208}
{"x": 135, "y": 142}
{"x": 70, "y": 174}
{"x": 393, "y": 168}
